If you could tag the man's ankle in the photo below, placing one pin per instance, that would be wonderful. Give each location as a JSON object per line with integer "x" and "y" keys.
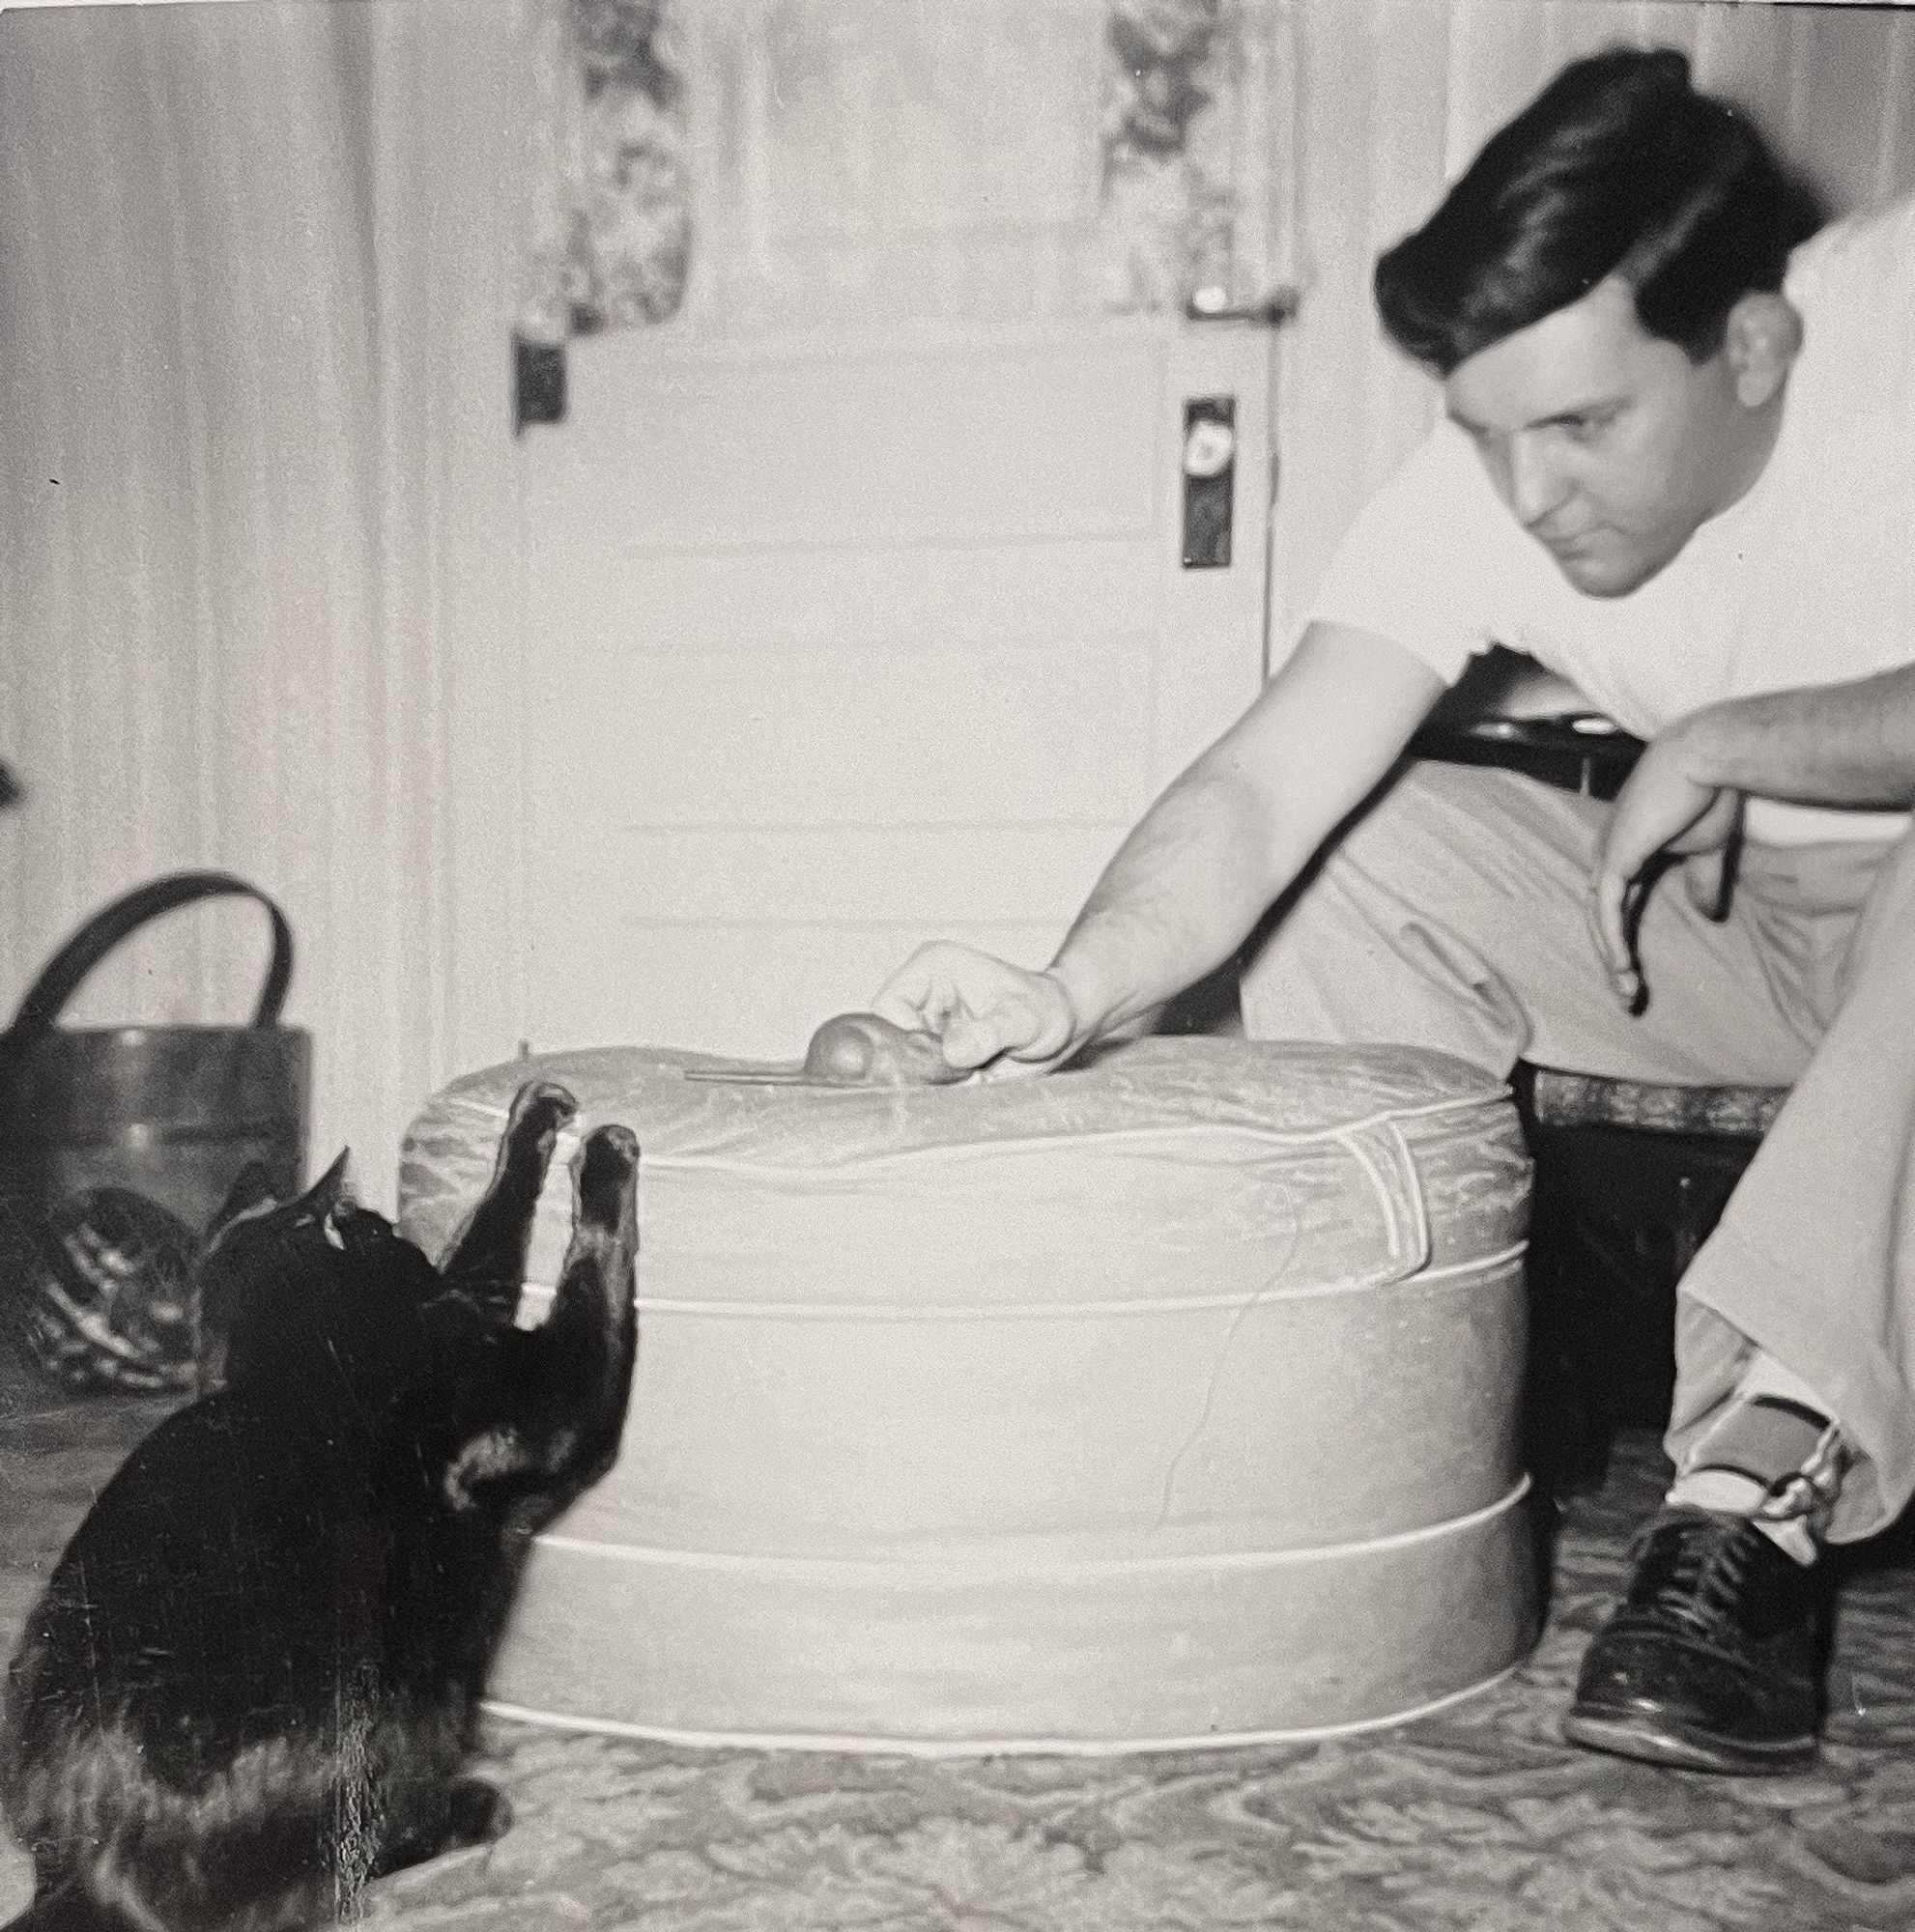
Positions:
{"x": 1773, "y": 1454}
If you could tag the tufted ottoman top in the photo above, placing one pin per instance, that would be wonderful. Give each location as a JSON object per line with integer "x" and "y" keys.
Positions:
{"x": 1388, "y": 1124}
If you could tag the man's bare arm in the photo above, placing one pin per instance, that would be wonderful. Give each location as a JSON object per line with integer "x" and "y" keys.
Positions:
{"x": 1840, "y": 743}
{"x": 1196, "y": 873}
{"x": 1230, "y": 834}
{"x": 1846, "y": 743}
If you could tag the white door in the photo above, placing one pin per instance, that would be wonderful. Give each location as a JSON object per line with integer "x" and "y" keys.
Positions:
{"x": 842, "y": 644}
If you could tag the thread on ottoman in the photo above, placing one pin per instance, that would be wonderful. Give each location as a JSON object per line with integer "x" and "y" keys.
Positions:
{"x": 1202, "y": 1422}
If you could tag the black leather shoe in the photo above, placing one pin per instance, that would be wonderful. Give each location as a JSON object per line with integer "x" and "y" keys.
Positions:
{"x": 1715, "y": 1660}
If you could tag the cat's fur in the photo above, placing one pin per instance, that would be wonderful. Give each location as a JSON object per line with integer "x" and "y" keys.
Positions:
{"x": 252, "y": 1681}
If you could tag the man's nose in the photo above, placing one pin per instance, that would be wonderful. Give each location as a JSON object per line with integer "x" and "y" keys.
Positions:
{"x": 1536, "y": 485}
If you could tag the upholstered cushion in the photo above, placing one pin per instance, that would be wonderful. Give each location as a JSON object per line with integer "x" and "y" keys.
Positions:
{"x": 1166, "y": 1400}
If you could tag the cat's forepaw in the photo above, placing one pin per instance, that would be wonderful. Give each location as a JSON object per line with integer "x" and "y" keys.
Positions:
{"x": 605, "y": 1175}
{"x": 539, "y": 1109}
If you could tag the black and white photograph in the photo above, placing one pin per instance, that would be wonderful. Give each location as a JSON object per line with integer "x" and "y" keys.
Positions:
{"x": 957, "y": 965}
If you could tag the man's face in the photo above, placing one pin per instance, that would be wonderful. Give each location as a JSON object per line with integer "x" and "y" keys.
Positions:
{"x": 1609, "y": 445}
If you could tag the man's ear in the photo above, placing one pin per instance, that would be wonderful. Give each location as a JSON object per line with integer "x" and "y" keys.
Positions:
{"x": 1761, "y": 339}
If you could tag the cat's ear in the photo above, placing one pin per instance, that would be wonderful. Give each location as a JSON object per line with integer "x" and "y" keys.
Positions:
{"x": 321, "y": 1202}
{"x": 253, "y": 1212}
{"x": 252, "y": 1195}
{"x": 318, "y": 1210}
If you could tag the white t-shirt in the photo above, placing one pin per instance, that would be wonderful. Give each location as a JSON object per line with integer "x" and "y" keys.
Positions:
{"x": 1809, "y": 579}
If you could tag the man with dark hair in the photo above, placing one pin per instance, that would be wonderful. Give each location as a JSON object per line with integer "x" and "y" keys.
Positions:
{"x": 1618, "y": 167}
{"x": 1678, "y": 467}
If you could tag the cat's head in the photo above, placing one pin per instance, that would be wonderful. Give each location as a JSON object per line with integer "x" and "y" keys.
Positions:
{"x": 278, "y": 1275}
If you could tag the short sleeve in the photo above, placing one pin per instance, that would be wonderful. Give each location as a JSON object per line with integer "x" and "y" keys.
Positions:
{"x": 1420, "y": 564}
{"x": 1857, "y": 281}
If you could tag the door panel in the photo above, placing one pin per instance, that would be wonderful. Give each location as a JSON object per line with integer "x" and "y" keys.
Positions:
{"x": 858, "y": 444}
{"x": 1052, "y": 729}
{"x": 838, "y": 648}
{"x": 893, "y": 597}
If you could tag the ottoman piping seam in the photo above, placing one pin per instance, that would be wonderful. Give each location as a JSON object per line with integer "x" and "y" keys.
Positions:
{"x": 1334, "y": 1133}
{"x": 902, "y": 1573}
{"x": 1042, "y": 1311}
{"x": 908, "y": 1744}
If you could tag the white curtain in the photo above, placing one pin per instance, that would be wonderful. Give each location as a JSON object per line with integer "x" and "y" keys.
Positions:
{"x": 256, "y": 537}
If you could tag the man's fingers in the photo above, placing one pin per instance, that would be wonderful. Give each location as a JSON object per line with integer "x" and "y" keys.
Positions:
{"x": 1609, "y": 912}
{"x": 1705, "y": 878}
{"x": 911, "y": 1010}
{"x": 982, "y": 1010}
{"x": 1662, "y": 817}
{"x": 1008, "y": 1067}
{"x": 922, "y": 995}
{"x": 1711, "y": 874}
{"x": 1632, "y": 984}
{"x": 1712, "y": 828}
{"x": 1024, "y": 1028}
{"x": 1617, "y": 903}
{"x": 970, "y": 1039}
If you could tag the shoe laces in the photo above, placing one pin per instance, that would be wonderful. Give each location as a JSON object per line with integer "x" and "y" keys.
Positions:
{"x": 1701, "y": 1584}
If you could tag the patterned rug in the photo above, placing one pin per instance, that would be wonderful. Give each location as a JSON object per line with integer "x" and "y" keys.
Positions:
{"x": 1480, "y": 1819}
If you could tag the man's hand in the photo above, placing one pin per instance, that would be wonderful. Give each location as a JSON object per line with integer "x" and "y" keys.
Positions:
{"x": 1195, "y": 873}
{"x": 984, "y": 1011}
{"x": 1662, "y": 814}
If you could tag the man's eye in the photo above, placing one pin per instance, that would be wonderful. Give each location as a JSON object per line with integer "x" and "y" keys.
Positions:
{"x": 1584, "y": 429}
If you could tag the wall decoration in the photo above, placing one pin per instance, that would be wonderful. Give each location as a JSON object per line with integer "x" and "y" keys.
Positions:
{"x": 610, "y": 243}
{"x": 851, "y": 177}
{"x": 1187, "y": 184}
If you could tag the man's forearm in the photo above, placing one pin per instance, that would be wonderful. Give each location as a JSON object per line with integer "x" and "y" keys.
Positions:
{"x": 1183, "y": 890}
{"x": 1211, "y": 855}
{"x": 1840, "y": 743}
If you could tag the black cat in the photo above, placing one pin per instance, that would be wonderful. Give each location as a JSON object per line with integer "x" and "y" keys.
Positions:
{"x": 252, "y": 1681}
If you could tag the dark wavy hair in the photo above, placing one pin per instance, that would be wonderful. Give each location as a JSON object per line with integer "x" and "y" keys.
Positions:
{"x": 1617, "y": 167}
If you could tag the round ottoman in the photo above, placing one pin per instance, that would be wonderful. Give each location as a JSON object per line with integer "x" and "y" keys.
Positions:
{"x": 1167, "y": 1402}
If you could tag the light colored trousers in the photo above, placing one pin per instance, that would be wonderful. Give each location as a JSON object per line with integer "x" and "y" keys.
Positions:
{"x": 1452, "y": 915}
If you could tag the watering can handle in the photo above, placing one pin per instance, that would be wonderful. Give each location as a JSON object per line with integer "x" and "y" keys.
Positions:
{"x": 96, "y": 938}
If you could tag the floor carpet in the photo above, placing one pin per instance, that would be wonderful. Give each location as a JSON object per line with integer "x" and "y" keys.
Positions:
{"x": 1479, "y": 1818}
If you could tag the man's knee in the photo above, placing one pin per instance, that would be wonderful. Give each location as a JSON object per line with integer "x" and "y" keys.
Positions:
{"x": 1424, "y": 918}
